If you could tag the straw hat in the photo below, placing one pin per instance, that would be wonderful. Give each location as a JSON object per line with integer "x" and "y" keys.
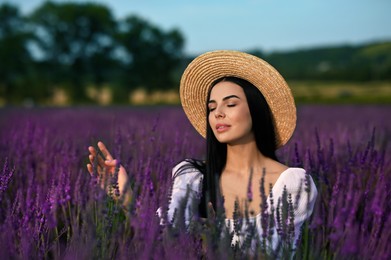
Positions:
{"x": 198, "y": 77}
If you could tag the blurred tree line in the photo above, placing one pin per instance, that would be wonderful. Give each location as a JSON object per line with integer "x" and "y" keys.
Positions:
{"x": 72, "y": 46}
{"x": 365, "y": 62}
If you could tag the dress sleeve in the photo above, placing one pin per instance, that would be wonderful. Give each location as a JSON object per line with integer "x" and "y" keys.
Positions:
{"x": 303, "y": 192}
{"x": 186, "y": 191}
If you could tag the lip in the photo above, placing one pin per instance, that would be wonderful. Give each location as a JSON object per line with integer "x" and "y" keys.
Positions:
{"x": 222, "y": 127}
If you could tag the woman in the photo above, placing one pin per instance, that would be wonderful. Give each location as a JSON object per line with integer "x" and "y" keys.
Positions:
{"x": 250, "y": 112}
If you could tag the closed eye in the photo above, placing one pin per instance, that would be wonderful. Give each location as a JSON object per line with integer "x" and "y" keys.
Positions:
{"x": 231, "y": 105}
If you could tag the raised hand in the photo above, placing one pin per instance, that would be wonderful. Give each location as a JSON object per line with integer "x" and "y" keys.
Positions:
{"x": 106, "y": 165}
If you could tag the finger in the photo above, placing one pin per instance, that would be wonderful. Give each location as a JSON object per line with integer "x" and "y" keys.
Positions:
{"x": 111, "y": 163}
{"x": 90, "y": 170}
{"x": 91, "y": 157}
{"x": 94, "y": 155}
{"x": 104, "y": 150}
{"x": 99, "y": 163}
{"x": 211, "y": 210}
{"x": 92, "y": 150}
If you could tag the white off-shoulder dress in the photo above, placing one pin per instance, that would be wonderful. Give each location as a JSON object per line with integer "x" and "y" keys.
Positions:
{"x": 188, "y": 182}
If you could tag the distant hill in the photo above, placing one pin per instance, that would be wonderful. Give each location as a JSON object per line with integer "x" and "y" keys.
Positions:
{"x": 347, "y": 62}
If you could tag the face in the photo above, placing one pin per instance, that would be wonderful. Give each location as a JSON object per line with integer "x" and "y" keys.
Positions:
{"x": 229, "y": 114}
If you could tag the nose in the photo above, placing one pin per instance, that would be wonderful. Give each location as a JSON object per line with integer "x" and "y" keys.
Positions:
{"x": 219, "y": 113}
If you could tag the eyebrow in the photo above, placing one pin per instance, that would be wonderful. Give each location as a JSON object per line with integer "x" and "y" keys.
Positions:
{"x": 225, "y": 98}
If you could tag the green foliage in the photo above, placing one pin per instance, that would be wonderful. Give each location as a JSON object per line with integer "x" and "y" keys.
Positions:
{"x": 15, "y": 65}
{"x": 77, "y": 39}
{"x": 75, "y": 45}
{"x": 355, "y": 63}
{"x": 153, "y": 55}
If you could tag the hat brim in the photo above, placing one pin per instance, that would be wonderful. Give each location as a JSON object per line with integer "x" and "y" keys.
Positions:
{"x": 198, "y": 77}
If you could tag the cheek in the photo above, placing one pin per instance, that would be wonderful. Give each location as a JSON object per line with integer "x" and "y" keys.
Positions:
{"x": 211, "y": 121}
{"x": 245, "y": 120}
{"x": 210, "y": 118}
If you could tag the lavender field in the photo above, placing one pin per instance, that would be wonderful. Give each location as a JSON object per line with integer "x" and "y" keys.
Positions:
{"x": 51, "y": 208}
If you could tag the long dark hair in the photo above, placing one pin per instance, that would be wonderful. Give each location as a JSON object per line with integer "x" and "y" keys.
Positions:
{"x": 216, "y": 153}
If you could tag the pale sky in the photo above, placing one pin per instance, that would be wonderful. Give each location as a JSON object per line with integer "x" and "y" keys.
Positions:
{"x": 265, "y": 24}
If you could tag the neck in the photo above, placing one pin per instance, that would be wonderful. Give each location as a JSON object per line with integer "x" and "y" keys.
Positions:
{"x": 242, "y": 158}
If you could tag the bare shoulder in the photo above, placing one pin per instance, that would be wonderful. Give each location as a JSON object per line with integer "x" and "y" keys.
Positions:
{"x": 275, "y": 168}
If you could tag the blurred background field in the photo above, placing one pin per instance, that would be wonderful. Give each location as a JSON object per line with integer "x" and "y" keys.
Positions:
{"x": 373, "y": 92}
{"x": 61, "y": 53}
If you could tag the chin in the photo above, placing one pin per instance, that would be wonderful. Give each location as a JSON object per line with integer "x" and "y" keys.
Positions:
{"x": 235, "y": 140}
{"x": 225, "y": 140}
